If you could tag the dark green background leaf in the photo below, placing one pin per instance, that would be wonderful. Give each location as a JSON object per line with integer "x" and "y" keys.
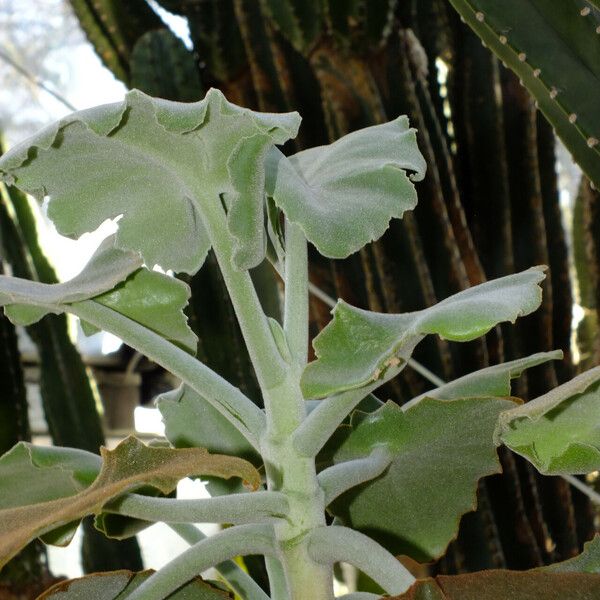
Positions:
{"x": 118, "y": 585}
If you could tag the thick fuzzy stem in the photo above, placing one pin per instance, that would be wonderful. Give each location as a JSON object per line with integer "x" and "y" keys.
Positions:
{"x": 321, "y": 423}
{"x": 332, "y": 544}
{"x": 295, "y": 321}
{"x": 227, "y": 399}
{"x": 287, "y": 471}
{"x": 341, "y": 477}
{"x": 266, "y": 359}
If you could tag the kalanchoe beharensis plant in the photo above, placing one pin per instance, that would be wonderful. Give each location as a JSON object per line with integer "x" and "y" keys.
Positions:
{"x": 190, "y": 178}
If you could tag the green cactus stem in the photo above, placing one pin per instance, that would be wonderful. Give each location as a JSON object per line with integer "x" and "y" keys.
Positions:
{"x": 553, "y": 47}
{"x": 113, "y": 27}
{"x": 162, "y": 66}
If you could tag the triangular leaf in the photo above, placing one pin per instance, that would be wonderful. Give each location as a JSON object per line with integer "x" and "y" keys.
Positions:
{"x": 558, "y": 432}
{"x": 119, "y": 585}
{"x": 155, "y": 301}
{"x": 358, "y": 346}
{"x": 129, "y": 466}
{"x": 440, "y": 450}
{"x": 345, "y": 194}
{"x": 159, "y": 164}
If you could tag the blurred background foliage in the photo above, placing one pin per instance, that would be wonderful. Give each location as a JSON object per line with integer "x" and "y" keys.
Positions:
{"x": 492, "y": 203}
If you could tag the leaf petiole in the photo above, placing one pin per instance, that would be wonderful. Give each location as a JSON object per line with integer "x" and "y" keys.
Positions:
{"x": 252, "y": 507}
{"x": 235, "y": 541}
{"x": 226, "y": 398}
{"x": 332, "y": 544}
{"x": 341, "y": 477}
{"x": 239, "y": 581}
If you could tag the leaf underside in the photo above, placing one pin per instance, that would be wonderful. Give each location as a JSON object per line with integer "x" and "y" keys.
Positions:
{"x": 501, "y": 585}
{"x": 574, "y": 579}
{"x": 129, "y": 466}
{"x": 106, "y": 268}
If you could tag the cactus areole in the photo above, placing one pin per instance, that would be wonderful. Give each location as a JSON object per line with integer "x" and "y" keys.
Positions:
{"x": 189, "y": 179}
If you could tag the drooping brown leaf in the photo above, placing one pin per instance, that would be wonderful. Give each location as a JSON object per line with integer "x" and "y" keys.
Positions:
{"x": 130, "y": 465}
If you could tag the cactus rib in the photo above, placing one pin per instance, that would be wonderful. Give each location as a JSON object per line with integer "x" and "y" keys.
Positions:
{"x": 559, "y": 63}
{"x": 162, "y": 66}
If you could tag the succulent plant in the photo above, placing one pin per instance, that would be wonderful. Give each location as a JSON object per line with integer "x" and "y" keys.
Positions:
{"x": 490, "y": 184}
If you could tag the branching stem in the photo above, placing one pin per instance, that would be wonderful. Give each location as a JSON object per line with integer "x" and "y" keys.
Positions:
{"x": 320, "y": 424}
{"x": 226, "y": 398}
{"x": 237, "y": 579}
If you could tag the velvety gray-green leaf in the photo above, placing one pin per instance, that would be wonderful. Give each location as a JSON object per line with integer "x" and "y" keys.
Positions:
{"x": 156, "y": 162}
{"x": 558, "y": 432}
{"x": 491, "y": 381}
{"x": 440, "y": 450}
{"x": 155, "y": 301}
{"x": 344, "y": 195}
{"x": 107, "y": 267}
{"x": 190, "y": 421}
{"x": 358, "y": 346}
{"x": 246, "y": 217}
